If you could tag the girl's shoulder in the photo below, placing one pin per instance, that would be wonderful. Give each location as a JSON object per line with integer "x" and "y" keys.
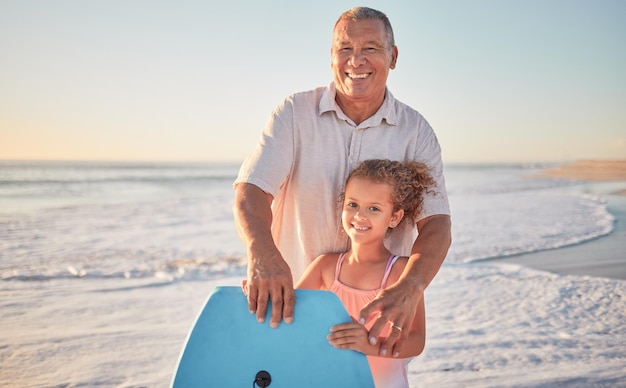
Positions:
{"x": 397, "y": 269}
{"x": 327, "y": 259}
{"x": 326, "y": 264}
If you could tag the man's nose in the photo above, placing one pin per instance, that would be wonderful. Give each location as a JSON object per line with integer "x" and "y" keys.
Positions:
{"x": 357, "y": 58}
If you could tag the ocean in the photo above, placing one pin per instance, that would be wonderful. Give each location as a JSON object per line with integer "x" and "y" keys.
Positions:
{"x": 174, "y": 221}
{"x": 104, "y": 265}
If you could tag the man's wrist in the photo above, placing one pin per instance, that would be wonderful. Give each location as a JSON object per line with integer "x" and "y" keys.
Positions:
{"x": 412, "y": 280}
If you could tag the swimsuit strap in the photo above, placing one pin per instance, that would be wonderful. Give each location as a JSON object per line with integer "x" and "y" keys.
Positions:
{"x": 338, "y": 266}
{"x": 390, "y": 262}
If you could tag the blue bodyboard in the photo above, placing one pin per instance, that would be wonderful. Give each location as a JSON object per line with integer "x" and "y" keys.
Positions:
{"x": 227, "y": 347}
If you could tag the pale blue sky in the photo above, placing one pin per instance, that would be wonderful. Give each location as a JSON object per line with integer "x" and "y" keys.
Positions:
{"x": 500, "y": 81}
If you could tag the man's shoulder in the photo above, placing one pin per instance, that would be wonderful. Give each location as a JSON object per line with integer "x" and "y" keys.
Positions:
{"x": 308, "y": 94}
{"x": 310, "y": 101}
{"x": 401, "y": 107}
{"x": 307, "y": 98}
{"x": 405, "y": 114}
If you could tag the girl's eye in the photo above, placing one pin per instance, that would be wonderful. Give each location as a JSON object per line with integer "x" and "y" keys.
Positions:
{"x": 374, "y": 208}
{"x": 351, "y": 204}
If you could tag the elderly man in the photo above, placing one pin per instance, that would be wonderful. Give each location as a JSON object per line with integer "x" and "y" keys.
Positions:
{"x": 287, "y": 192}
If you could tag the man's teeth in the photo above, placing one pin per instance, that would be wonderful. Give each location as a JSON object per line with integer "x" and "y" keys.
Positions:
{"x": 357, "y": 76}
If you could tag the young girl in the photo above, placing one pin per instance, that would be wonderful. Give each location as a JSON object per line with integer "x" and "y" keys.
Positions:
{"x": 379, "y": 195}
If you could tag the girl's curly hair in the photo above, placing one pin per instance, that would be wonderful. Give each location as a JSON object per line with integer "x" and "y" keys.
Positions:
{"x": 409, "y": 181}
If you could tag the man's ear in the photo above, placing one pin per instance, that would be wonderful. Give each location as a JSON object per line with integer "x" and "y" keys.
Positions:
{"x": 394, "y": 57}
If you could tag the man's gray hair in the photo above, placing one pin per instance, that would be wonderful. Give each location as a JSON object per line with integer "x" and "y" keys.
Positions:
{"x": 364, "y": 13}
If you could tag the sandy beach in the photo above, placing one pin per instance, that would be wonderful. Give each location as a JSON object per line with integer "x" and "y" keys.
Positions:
{"x": 604, "y": 256}
{"x": 109, "y": 336}
{"x": 590, "y": 170}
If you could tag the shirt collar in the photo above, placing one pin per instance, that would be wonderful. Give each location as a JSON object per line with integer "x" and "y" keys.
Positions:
{"x": 386, "y": 111}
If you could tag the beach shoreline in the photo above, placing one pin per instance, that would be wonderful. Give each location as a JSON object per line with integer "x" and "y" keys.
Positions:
{"x": 102, "y": 294}
{"x": 590, "y": 171}
{"x": 602, "y": 256}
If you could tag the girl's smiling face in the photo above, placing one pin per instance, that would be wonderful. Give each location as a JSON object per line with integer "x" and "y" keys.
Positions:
{"x": 368, "y": 210}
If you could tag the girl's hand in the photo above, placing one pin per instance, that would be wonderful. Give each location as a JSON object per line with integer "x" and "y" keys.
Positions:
{"x": 353, "y": 336}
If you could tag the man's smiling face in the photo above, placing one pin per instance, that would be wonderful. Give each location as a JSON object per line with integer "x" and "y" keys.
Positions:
{"x": 361, "y": 60}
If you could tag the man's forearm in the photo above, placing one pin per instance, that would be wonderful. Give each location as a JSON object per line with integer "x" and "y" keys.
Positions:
{"x": 429, "y": 251}
{"x": 253, "y": 217}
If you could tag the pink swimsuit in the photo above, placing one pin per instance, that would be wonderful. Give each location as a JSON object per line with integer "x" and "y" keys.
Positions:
{"x": 387, "y": 372}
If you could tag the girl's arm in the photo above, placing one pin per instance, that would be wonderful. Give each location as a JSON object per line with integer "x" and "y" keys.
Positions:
{"x": 354, "y": 336}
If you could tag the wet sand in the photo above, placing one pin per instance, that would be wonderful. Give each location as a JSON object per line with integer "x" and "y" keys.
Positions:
{"x": 601, "y": 257}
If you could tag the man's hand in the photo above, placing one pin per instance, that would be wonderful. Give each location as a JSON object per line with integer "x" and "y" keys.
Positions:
{"x": 270, "y": 280}
{"x": 269, "y": 276}
{"x": 395, "y": 305}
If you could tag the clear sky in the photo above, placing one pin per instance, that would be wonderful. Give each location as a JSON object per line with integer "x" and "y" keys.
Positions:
{"x": 192, "y": 80}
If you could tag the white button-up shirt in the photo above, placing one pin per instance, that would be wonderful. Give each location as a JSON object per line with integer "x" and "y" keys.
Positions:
{"x": 308, "y": 148}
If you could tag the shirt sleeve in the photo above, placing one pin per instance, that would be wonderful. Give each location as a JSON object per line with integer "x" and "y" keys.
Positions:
{"x": 429, "y": 152}
{"x": 270, "y": 164}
